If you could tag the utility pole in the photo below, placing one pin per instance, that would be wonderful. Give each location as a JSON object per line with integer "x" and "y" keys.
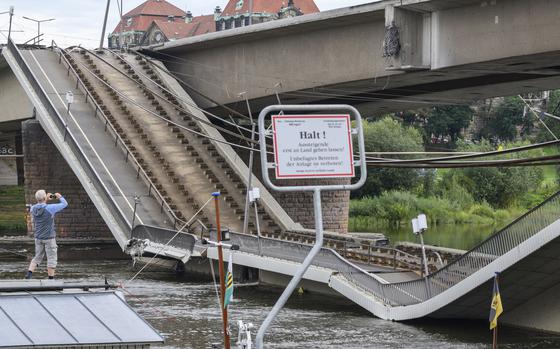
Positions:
{"x": 38, "y": 21}
{"x": 104, "y": 25}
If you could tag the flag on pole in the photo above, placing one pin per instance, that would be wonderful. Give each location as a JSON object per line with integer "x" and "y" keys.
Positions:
{"x": 229, "y": 283}
{"x": 496, "y": 306}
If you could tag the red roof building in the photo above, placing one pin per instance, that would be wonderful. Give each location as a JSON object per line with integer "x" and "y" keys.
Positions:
{"x": 162, "y": 31}
{"x": 239, "y": 13}
{"x": 134, "y": 24}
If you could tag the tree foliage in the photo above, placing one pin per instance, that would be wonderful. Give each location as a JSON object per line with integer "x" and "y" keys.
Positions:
{"x": 506, "y": 120}
{"x": 389, "y": 135}
{"x": 448, "y": 120}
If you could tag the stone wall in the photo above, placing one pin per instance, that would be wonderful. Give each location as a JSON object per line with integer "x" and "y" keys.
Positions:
{"x": 45, "y": 168}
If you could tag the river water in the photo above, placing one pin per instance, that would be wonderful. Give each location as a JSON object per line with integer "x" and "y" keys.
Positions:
{"x": 187, "y": 314}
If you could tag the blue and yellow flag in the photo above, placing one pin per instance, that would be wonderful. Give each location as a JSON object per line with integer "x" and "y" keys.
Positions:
{"x": 229, "y": 283}
{"x": 496, "y": 306}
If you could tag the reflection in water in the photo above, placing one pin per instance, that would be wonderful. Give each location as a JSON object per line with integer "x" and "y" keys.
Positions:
{"x": 187, "y": 314}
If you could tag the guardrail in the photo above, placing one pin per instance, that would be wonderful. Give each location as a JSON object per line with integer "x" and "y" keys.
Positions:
{"x": 62, "y": 126}
{"x": 417, "y": 291}
{"x": 119, "y": 141}
{"x": 480, "y": 256}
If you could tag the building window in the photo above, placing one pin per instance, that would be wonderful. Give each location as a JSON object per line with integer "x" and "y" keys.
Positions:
{"x": 239, "y": 5}
{"x": 129, "y": 22}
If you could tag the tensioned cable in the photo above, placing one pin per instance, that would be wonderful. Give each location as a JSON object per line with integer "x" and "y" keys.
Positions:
{"x": 189, "y": 103}
{"x": 168, "y": 242}
{"x": 198, "y": 92}
{"x": 160, "y": 117}
{"x": 477, "y": 155}
{"x": 538, "y": 117}
{"x": 163, "y": 98}
{"x": 538, "y": 161}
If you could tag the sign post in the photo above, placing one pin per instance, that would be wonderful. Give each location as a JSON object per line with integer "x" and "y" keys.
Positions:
{"x": 310, "y": 146}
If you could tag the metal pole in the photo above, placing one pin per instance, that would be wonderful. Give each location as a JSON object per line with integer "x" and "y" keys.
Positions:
{"x": 258, "y": 227}
{"x": 104, "y": 25}
{"x": 10, "y": 28}
{"x": 424, "y": 260}
{"x": 221, "y": 269}
{"x": 299, "y": 273}
{"x": 38, "y": 31}
{"x": 250, "y": 175}
{"x": 250, "y": 12}
{"x": 136, "y": 202}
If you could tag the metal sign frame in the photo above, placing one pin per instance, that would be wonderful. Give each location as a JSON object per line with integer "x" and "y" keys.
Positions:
{"x": 266, "y": 165}
{"x": 316, "y": 189}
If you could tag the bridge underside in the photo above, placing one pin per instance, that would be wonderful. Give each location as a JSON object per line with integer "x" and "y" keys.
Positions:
{"x": 455, "y": 53}
{"x": 529, "y": 292}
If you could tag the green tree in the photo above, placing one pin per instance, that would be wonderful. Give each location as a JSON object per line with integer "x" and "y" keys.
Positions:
{"x": 388, "y": 135}
{"x": 448, "y": 120}
{"x": 500, "y": 186}
{"x": 507, "y": 117}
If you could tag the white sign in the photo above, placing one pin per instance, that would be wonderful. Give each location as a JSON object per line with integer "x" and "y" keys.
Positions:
{"x": 317, "y": 146}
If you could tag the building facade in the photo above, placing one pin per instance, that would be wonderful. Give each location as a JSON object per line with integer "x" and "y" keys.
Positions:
{"x": 134, "y": 24}
{"x": 240, "y": 13}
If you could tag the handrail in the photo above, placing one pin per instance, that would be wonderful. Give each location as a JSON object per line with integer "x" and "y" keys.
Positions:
{"x": 63, "y": 127}
{"x": 416, "y": 291}
{"x": 151, "y": 186}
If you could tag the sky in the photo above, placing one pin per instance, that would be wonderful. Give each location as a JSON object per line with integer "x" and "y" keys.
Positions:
{"x": 80, "y": 21}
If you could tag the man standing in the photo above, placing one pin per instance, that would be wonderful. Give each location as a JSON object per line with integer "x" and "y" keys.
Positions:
{"x": 45, "y": 236}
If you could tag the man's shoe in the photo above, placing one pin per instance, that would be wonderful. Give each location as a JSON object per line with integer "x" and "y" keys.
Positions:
{"x": 29, "y": 274}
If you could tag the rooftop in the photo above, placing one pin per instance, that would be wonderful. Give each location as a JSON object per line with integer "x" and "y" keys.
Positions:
{"x": 71, "y": 318}
{"x": 235, "y": 7}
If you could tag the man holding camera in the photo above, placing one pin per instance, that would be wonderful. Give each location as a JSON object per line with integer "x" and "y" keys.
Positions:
{"x": 45, "y": 236}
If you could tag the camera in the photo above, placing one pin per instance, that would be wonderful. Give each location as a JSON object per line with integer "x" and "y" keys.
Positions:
{"x": 52, "y": 196}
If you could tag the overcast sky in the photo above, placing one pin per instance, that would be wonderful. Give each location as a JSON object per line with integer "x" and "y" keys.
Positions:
{"x": 80, "y": 21}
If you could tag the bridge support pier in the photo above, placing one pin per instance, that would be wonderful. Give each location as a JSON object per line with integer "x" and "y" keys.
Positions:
{"x": 45, "y": 168}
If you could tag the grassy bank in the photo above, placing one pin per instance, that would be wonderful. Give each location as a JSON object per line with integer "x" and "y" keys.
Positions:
{"x": 396, "y": 208}
{"x": 12, "y": 210}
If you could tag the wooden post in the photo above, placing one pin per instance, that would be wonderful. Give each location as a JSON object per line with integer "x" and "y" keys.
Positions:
{"x": 221, "y": 269}
{"x": 495, "y": 339}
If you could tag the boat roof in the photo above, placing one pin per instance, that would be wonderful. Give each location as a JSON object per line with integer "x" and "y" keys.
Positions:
{"x": 71, "y": 318}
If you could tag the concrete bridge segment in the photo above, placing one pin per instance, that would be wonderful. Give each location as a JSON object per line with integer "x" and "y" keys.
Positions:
{"x": 451, "y": 52}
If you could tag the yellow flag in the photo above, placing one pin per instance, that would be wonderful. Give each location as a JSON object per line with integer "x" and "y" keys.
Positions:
{"x": 496, "y": 307}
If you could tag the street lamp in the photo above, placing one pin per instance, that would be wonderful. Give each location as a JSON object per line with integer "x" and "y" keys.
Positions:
{"x": 11, "y": 12}
{"x": 419, "y": 226}
{"x": 38, "y": 21}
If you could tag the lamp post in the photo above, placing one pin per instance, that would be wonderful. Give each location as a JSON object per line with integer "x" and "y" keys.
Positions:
{"x": 11, "y": 12}
{"x": 38, "y": 21}
{"x": 419, "y": 226}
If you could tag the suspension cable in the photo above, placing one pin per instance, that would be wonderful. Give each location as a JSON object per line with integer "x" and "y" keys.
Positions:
{"x": 168, "y": 242}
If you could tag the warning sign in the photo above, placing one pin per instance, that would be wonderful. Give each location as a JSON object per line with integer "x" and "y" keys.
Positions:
{"x": 318, "y": 146}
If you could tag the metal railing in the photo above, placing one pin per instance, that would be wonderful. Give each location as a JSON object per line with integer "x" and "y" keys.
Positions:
{"x": 140, "y": 172}
{"x": 419, "y": 290}
{"x": 521, "y": 229}
{"x": 71, "y": 142}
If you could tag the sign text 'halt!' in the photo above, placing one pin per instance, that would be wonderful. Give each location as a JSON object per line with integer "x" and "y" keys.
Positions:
{"x": 312, "y": 146}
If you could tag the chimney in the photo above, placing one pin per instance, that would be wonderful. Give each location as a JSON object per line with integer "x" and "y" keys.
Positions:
{"x": 170, "y": 18}
{"x": 188, "y": 17}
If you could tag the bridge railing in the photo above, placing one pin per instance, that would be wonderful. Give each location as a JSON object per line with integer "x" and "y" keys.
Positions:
{"x": 140, "y": 172}
{"x": 523, "y": 228}
{"x": 62, "y": 126}
{"x": 417, "y": 291}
